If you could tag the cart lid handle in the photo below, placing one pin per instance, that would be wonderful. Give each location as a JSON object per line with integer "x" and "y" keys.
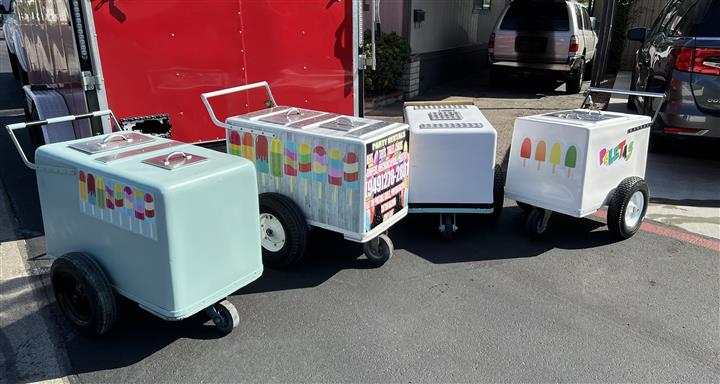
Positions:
{"x": 208, "y": 95}
{"x": 52, "y": 120}
{"x": 628, "y": 92}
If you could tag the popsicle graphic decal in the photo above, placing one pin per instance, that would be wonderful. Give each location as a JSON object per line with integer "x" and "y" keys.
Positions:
{"x": 335, "y": 171}
{"x": 319, "y": 167}
{"x": 305, "y": 166}
{"x": 555, "y": 156}
{"x": 247, "y": 146}
{"x": 291, "y": 163}
{"x": 540, "y": 152}
{"x": 234, "y": 145}
{"x": 351, "y": 169}
{"x": 526, "y": 150}
{"x": 261, "y": 157}
{"x": 123, "y": 206}
{"x": 276, "y": 161}
{"x": 571, "y": 158}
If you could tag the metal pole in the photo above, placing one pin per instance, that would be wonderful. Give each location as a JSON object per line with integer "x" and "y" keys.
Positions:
{"x": 604, "y": 39}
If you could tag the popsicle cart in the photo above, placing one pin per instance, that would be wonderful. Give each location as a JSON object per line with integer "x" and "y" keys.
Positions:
{"x": 341, "y": 173}
{"x": 171, "y": 226}
{"x": 453, "y": 163}
{"x": 574, "y": 162}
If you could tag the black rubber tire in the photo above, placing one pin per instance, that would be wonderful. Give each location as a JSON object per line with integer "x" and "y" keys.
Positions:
{"x": 227, "y": 316}
{"x": 618, "y": 207}
{"x": 83, "y": 293}
{"x": 379, "y": 250}
{"x": 498, "y": 192}
{"x": 37, "y": 139}
{"x": 296, "y": 230}
{"x": 448, "y": 232}
{"x": 533, "y": 224}
{"x": 526, "y": 208}
{"x": 14, "y": 64}
{"x": 574, "y": 83}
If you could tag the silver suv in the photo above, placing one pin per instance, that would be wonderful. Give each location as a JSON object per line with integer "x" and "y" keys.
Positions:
{"x": 552, "y": 38}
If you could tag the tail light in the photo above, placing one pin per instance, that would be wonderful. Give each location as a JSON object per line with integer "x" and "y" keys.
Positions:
{"x": 682, "y": 131}
{"x": 574, "y": 46}
{"x": 491, "y": 42}
{"x": 697, "y": 60}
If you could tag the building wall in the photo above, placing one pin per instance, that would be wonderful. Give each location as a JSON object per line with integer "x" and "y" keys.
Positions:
{"x": 391, "y": 15}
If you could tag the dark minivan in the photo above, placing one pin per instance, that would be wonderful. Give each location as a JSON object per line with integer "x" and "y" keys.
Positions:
{"x": 680, "y": 56}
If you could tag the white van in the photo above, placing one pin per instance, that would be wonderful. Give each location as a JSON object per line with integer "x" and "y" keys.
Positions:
{"x": 11, "y": 32}
{"x": 550, "y": 38}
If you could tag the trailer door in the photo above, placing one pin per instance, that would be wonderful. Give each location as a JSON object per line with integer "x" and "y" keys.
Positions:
{"x": 159, "y": 56}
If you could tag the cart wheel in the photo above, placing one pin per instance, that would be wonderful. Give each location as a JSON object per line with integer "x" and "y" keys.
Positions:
{"x": 83, "y": 293}
{"x": 526, "y": 208}
{"x": 498, "y": 192}
{"x": 224, "y": 315}
{"x": 283, "y": 231}
{"x": 379, "y": 250}
{"x": 448, "y": 226}
{"x": 628, "y": 207}
{"x": 536, "y": 222}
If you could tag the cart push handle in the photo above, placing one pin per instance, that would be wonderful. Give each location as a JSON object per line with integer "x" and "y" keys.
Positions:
{"x": 52, "y": 120}
{"x": 627, "y": 92}
{"x": 208, "y": 95}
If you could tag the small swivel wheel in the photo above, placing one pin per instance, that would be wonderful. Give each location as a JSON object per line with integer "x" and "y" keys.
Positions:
{"x": 83, "y": 293}
{"x": 379, "y": 250}
{"x": 628, "y": 208}
{"x": 224, "y": 315}
{"x": 537, "y": 222}
{"x": 283, "y": 231}
{"x": 448, "y": 226}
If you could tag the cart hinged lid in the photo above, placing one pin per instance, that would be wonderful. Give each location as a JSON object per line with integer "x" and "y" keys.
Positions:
{"x": 174, "y": 160}
{"x": 111, "y": 142}
{"x": 290, "y": 115}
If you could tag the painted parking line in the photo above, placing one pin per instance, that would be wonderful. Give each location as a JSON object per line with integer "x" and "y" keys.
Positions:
{"x": 672, "y": 233}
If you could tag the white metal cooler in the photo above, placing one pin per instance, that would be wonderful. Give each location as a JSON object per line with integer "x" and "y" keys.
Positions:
{"x": 453, "y": 167}
{"x": 574, "y": 162}
{"x": 342, "y": 173}
{"x": 171, "y": 226}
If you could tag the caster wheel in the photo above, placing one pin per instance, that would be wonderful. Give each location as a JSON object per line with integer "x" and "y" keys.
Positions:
{"x": 83, "y": 293}
{"x": 379, "y": 250}
{"x": 498, "y": 192}
{"x": 283, "y": 231}
{"x": 224, "y": 315}
{"x": 448, "y": 226}
{"x": 627, "y": 208}
{"x": 536, "y": 223}
{"x": 526, "y": 208}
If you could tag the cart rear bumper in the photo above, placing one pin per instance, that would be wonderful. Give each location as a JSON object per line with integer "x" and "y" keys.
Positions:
{"x": 482, "y": 208}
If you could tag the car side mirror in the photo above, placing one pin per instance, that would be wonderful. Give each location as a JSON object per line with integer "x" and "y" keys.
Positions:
{"x": 637, "y": 34}
{"x": 594, "y": 23}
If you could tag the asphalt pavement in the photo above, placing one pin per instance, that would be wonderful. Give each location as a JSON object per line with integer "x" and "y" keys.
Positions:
{"x": 489, "y": 306}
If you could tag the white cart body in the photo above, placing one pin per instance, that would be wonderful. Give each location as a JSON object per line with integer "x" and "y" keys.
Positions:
{"x": 453, "y": 161}
{"x": 572, "y": 161}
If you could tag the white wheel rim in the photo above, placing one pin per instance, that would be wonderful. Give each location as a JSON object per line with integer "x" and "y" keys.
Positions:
{"x": 634, "y": 209}
{"x": 272, "y": 233}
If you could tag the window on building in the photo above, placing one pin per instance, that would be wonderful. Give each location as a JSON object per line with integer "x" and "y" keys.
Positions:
{"x": 481, "y": 6}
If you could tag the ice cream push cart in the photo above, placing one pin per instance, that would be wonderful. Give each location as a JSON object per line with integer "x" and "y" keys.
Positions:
{"x": 453, "y": 167}
{"x": 574, "y": 162}
{"x": 341, "y": 173}
{"x": 171, "y": 226}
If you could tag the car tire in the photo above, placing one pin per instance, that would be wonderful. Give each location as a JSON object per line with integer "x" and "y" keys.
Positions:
{"x": 574, "y": 83}
{"x": 14, "y": 64}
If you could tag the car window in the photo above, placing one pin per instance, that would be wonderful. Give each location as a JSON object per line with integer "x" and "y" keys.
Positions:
{"x": 682, "y": 25}
{"x": 578, "y": 16}
{"x": 710, "y": 24}
{"x": 587, "y": 24}
{"x": 522, "y": 16}
{"x": 663, "y": 16}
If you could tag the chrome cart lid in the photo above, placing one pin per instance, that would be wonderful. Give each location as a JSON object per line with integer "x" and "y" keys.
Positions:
{"x": 111, "y": 142}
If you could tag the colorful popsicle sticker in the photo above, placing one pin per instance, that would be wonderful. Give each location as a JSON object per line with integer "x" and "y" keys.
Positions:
{"x": 234, "y": 145}
{"x": 291, "y": 163}
{"x": 276, "y": 161}
{"x": 305, "y": 165}
{"x": 319, "y": 167}
{"x": 555, "y": 156}
{"x": 120, "y": 205}
{"x": 525, "y": 150}
{"x": 335, "y": 171}
{"x": 261, "y": 156}
{"x": 351, "y": 169}
{"x": 540, "y": 152}
{"x": 246, "y": 149}
{"x": 570, "y": 158}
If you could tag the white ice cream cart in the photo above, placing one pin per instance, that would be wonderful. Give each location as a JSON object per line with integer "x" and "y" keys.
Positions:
{"x": 574, "y": 162}
{"x": 453, "y": 163}
{"x": 341, "y": 173}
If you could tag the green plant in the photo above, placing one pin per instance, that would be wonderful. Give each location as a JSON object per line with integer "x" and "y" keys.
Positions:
{"x": 392, "y": 52}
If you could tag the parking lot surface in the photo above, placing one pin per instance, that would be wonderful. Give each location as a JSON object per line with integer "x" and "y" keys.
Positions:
{"x": 489, "y": 306}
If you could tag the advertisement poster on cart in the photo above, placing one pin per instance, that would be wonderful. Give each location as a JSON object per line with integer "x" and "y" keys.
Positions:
{"x": 386, "y": 178}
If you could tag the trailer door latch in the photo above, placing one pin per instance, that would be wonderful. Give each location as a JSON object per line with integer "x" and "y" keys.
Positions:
{"x": 89, "y": 81}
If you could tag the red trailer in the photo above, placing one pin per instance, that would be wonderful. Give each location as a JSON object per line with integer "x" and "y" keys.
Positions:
{"x": 151, "y": 59}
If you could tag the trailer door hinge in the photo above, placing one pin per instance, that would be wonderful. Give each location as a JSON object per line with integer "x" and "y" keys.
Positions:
{"x": 90, "y": 82}
{"x": 362, "y": 62}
